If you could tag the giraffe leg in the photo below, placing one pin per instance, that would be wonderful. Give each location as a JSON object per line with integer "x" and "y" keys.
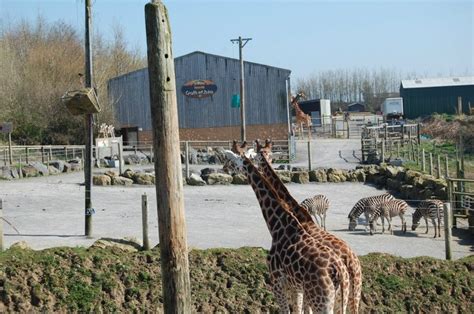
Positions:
{"x": 281, "y": 296}
{"x": 298, "y": 303}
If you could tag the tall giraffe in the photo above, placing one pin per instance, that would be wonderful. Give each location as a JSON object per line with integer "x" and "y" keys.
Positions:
{"x": 301, "y": 117}
{"x": 340, "y": 247}
{"x": 296, "y": 260}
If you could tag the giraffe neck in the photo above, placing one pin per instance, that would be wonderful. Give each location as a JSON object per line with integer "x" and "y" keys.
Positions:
{"x": 300, "y": 212}
{"x": 275, "y": 213}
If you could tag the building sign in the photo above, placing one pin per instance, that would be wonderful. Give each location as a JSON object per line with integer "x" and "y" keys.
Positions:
{"x": 199, "y": 88}
{"x": 6, "y": 127}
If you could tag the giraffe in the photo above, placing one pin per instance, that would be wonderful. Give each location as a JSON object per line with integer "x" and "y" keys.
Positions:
{"x": 301, "y": 117}
{"x": 296, "y": 260}
{"x": 340, "y": 247}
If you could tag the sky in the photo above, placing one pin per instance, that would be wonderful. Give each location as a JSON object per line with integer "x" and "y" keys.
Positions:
{"x": 432, "y": 38}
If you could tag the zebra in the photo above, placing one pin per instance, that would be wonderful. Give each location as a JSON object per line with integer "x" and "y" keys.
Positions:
{"x": 388, "y": 210}
{"x": 361, "y": 206}
{"x": 429, "y": 209}
{"x": 317, "y": 206}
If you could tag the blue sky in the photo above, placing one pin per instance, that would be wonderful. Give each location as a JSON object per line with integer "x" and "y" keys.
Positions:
{"x": 428, "y": 37}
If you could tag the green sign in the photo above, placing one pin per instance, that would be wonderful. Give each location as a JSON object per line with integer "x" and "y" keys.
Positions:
{"x": 235, "y": 101}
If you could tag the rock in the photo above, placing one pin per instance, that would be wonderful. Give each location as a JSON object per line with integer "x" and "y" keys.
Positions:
{"x": 132, "y": 160}
{"x": 129, "y": 174}
{"x": 393, "y": 184}
{"x": 300, "y": 177}
{"x": 297, "y": 169}
{"x": 219, "y": 178}
{"x": 360, "y": 175}
{"x": 41, "y": 168}
{"x": 441, "y": 193}
{"x": 123, "y": 245}
{"x": 380, "y": 180}
{"x": 8, "y": 173}
{"x": 67, "y": 167}
{"x": 144, "y": 178}
{"x": 195, "y": 179}
{"x": 284, "y": 175}
{"x": 111, "y": 173}
{"x": 22, "y": 245}
{"x": 119, "y": 180}
{"x": 418, "y": 182}
{"x": 101, "y": 180}
{"x": 29, "y": 171}
{"x": 213, "y": 160}
{"x": 408, "y": 191}
{"x": 76, "y": 166}
{"x": 53, "y": 170}
{"x": 206, "y": 172}
{"x": 390, "y": 171}
{"x": 336, "y": 175}
{"x": 425, "y": 194}
{"x": 58, "y": 164}
{"x": 410, "y": 176}
{"x": 351, "y": 176}
{"x": 240, "y": 178}
{"x": 318, "y": 175}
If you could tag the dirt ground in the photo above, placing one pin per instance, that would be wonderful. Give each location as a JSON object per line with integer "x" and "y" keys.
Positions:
{"x": 48, "y": 212}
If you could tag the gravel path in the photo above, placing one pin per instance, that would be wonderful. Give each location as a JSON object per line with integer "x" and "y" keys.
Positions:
{"x": 48, "y": 212}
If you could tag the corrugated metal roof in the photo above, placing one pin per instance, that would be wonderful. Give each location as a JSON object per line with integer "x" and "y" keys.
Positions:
{"x": 438, "y": 82}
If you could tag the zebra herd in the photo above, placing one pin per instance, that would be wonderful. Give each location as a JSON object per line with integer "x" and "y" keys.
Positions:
{"x": 383, "y": 206}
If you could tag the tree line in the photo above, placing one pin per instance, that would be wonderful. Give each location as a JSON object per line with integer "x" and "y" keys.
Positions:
{"x": 40, "y": 61}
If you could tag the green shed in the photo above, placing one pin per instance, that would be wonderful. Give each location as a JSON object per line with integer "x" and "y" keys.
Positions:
{"x": 422, "y": 97}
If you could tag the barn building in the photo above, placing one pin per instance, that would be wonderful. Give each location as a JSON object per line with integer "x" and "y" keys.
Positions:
{"x": 207, "y": 88}
{"x": 318, "y": 109}
{"x": 422, "y": 97}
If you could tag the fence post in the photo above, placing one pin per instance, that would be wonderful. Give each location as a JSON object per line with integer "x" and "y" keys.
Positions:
{"x": 120, "y": 157}
{"x": 447, "y": 229}
{"x": 73, "y": 153}
{"x": 438, "y": 165}
{"x": 347, "y": 121}
{"x": 10, "y": 150}
{"x": 1, "y": 225}
{"x": 65, "y": 152}
{"x": 27, "y": 155}
{"x": 423, "y": 160}
{"x": 146, "y": 243}
{"x": 4, "y": 157}
{"x": 50, "y": 153}
{"x": 446, "y": 166}
{"x": 418, "y": 133}
{"x": 431, "y": 164}
{"x": 186, "y": 158}
{"x": 309, "y": 155}
{"x": 383, "y": 151}
{"x": 151, "y": 153}
{"x": 42, "y": 154}
{"x": 398, "y": 149}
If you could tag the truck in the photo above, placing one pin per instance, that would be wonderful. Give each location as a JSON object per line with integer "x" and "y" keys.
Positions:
{"x": 392, "y": 109}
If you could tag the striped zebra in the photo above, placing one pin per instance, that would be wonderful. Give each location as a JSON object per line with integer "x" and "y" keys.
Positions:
{"x": 362, "y": 204}
{"x": 317, "y": 206}
{"x": 387, "y": 211}
{"x": 429, "y": 209}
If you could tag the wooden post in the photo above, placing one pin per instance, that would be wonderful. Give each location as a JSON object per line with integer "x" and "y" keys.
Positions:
{"x": 27, "y": 155}
{"x": 120, "y": 157}
{"x": 146, "y": 243}
{"x": 446, "y": 167}
{"x": 5, "y": 157}
{"x": 447, "y": 229}
{"x": 460, "y": 106}
{"x": 151, "y": 153}
{"x": 42, "y": 154}
{"x": 438, "y": 166}
{"x": 73, "y": 153}
{"x": 403, "y": 135}
{"x": 186, "y": 158}
{"x": 65, "y": 152}
{"x": 347, "y": 122}
{"x": 431, "y": 164}
{"x": 1, "y": 225}
{"x": 398, "y": 149}
{"x": 309, "y": 155}
{"x": 169, "y": 184}
{"x": 10, "y": 150}
{"x": 423, "y": 160}
{"x": 50, "y": 156}
{"x": 383, "y": 152}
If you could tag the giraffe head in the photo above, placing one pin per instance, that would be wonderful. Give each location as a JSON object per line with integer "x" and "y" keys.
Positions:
{"x": 264, "y": 151}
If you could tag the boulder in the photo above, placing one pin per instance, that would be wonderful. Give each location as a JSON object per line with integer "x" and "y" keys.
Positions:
{"x": 111, "y": 173}
{"x": 336, "y": 175}
{"x": 425, "y": 194}
{"x": 441, "y": 192}
{"x": 318, "y": 175}
{"x": 101, "y": 180}
{"x": 41, "y": 168}
{"x": 118, "y": 180}
{"x": 240, "y": 178}
{"x": 58, "y": 164}
{"x": 76, "y": 166}
{"x": 393, "y": 184}
{"x": 67, "y": 167}
{"x": 29, "y": 171}
{"x": 53, "y": 170}
{"x": 195, "y": 179}
{"x": 129, "y": 174}
{"x": 21, "y": 245}
{"x": 122, "y": 245}
{"x": 390, "y": 171}
{"x": 219, "y": 178}
{"x": 406, "y": 190}
{"x": 360, "y": 175}
{"x": 410, "y": 176}
{"x": 8, "y": 173}
{"x": 284, "y": 175}
{"x": 144, "y": 178}
{"x": 132, "y": 159}
{"x": 206, "y": 172}
{"x": 300, "y": 177}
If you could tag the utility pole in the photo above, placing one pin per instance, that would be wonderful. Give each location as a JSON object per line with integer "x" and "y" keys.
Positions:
{"x": 242, "y": 42}
{"x": 89, "y": 121}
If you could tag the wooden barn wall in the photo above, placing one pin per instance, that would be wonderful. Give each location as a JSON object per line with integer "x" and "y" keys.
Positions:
{"x": 265, "y": 94}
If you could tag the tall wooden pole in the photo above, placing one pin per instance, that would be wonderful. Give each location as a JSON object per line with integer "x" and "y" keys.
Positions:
{"x": 242, "y": 42}
{"x": 169, "y": 183}
{"x": 10, "y": 151}
{"x": 447, "y": 230}
{"x": 146, "y": 242}
{"x": 88, "y": 157}
{"x": 1, "y": 225}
